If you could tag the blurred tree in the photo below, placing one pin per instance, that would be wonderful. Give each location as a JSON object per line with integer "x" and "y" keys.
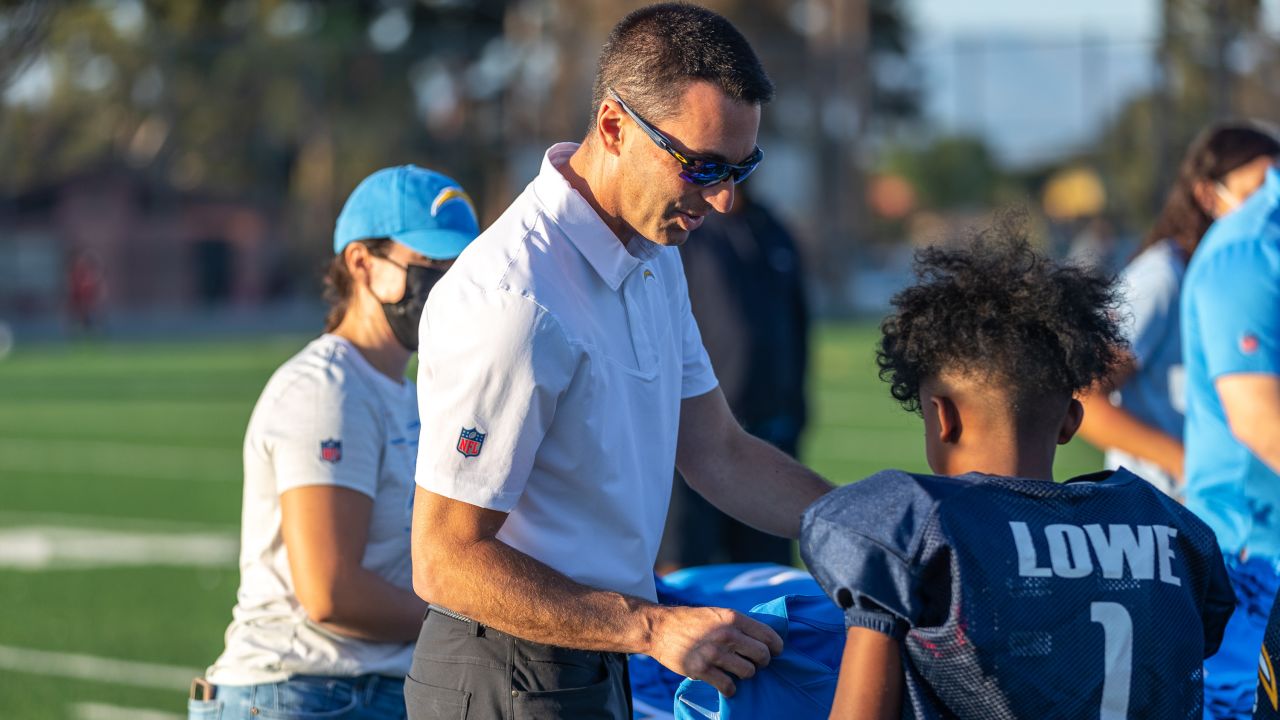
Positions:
{"x": 950, "y": 173}
{"x": 24, "y": 27}
{"x": 1210, "y": 50}
{"x": 288, "y": 103}
{"x": 284, "y": 102}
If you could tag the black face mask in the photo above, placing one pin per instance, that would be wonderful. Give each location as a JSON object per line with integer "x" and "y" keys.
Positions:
{"x": 403, "y": 316}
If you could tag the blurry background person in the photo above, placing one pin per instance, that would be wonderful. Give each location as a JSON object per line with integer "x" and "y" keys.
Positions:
{"x": 746, "y": 287}
{"x": 1231, "y": 348}
{"x": 1136, "y": 415}
{"x": 85, "y": 292}
{"x": 325, "y": 617}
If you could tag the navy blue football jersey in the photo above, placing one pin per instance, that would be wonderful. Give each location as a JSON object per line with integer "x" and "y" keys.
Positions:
{"x": 1017, "y": 598}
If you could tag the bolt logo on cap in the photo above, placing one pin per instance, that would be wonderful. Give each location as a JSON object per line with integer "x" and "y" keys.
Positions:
{"x": 419, "y": 208}
{"x": 451, "y": 193}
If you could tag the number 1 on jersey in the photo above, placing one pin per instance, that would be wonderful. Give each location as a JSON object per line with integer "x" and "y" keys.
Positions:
{"x": 1117, "y": 649}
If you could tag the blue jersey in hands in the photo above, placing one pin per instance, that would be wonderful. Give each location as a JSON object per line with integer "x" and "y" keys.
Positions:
{"x": 741, "y": 587}
{"x": 1016, "y": 598}
{"x": 799, "y": 683}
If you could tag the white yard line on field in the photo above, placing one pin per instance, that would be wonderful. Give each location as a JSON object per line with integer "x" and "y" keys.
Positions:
{"x": 46, "y": 547}
{"x": 97, "y": 669}
{"x": 95, "y": 458}
{"x": 100, "y": 711}
{"x": 10, "y": 518}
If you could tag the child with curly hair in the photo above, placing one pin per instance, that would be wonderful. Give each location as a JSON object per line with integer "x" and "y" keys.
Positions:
{"x": 988, "y": 590}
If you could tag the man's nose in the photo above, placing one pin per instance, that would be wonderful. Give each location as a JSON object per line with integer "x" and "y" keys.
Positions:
{"x": 720, "y": 196}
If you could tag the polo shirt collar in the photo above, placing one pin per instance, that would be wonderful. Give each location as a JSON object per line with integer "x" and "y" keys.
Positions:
{"x": 583, "y": 226}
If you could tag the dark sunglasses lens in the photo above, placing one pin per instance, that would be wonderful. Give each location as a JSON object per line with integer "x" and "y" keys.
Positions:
{"x": 706, "y": 173}
{"x": 740, "y": 174}
{"x": 712, "y": 173}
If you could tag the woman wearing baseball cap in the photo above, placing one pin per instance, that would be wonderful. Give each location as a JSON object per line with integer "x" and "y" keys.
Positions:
{"x": 326, "y": 617}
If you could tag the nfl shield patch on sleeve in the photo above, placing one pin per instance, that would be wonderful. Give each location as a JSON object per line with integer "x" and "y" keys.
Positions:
{"x": 331, "y": 450}
{"x": 470, "y": 442}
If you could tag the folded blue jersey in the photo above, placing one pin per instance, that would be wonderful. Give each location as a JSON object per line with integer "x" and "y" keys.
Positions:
{"x": 739, "y": 586}
{"x": 799, "y": 683}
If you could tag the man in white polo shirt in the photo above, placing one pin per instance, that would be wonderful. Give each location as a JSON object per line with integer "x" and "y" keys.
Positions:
{"x": 562, "y": 377}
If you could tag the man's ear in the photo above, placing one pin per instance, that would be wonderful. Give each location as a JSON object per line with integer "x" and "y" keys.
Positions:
{"x": 947, "y": 417}
{"x": 1071, "y": 422}
{"x": 609, "y": 126}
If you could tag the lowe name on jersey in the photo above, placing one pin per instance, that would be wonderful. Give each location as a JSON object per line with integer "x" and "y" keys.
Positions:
{"x": 1076, "y": 551}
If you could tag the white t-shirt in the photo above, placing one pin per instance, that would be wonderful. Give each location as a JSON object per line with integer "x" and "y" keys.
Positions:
{"x": 326, "y": 417}
{"x": 555, "y": 360}
{"x": 1155, "y": 393}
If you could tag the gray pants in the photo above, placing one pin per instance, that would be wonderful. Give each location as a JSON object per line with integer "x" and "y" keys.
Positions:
{"x": 463, "y": 670}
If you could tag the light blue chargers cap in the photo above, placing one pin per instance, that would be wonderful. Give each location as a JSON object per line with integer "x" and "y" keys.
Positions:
{"x": 420, "y": 208}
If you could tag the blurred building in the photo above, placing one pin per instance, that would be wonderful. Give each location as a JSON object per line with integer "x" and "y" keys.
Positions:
{"x": 153, "y": 248}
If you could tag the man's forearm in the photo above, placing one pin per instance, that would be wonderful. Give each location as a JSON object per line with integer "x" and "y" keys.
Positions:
{"x": 499, "y": 586}
{"x": 459, "y": 563}
{"x": 760, "y": 485}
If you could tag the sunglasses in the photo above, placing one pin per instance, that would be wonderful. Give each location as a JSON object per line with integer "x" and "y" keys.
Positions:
{"x": 704, "y": 173}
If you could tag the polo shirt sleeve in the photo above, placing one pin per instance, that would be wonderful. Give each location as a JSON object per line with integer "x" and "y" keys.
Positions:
{"x": 1236, "y": 298}
{"x": 858, "y": 542}
{"x": 492, "y": 367}
{"x": 697, "y": 377}
{"x": 320, "y": 433}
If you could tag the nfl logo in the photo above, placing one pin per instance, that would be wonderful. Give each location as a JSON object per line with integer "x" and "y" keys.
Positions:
{"x": 470, "y": 441}
{"x": 331, "y": 450}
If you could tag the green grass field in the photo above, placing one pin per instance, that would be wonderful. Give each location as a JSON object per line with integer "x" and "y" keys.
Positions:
{"x": 107, "y": 445}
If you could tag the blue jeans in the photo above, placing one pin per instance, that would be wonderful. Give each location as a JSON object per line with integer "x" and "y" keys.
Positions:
{"x": 306, "y": 697}
{"x": 1231, "y": 675}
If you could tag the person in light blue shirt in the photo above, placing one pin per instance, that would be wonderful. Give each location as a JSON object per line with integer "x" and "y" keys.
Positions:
{"x": 1137, "y": 414}
{"x": 1231, "y": 347}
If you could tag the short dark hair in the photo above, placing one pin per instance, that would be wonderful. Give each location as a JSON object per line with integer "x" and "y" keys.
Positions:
{"x": 995, "y": 307}
{"x": 653, "y": 54}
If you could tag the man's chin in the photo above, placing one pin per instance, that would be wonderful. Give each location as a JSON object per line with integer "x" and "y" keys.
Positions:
{"x": 671, "y": 236}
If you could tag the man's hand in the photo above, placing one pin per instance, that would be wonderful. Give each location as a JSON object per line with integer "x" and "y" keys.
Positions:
{"x": 711, "y": 644}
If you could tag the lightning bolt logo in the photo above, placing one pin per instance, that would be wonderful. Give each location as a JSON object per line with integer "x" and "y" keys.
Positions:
{"x": 451, "y": 193}
{"x": 1267, "y": 679}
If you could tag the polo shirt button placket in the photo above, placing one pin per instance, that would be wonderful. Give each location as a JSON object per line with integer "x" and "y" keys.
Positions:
{"x": 640, "y": 320}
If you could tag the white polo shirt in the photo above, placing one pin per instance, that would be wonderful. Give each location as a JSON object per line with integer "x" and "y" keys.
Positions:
{"x": 552, "y": 365}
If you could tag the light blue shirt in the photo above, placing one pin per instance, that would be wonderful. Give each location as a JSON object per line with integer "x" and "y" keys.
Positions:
{"x": 1155, "y": 393}
{"x": 1230, "y": 325}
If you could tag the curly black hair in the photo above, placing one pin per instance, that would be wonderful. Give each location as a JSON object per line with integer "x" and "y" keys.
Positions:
{"x": 995, "y": 307}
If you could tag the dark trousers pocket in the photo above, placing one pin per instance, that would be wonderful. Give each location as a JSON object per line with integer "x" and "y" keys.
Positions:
{"x": 602, "y": 701}
{"x": 428, "y": 702}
